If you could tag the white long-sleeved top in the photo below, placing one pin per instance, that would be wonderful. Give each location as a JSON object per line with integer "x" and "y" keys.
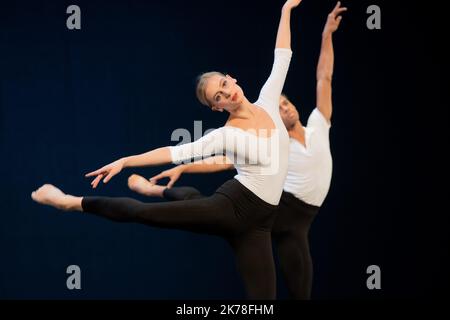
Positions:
{"x": 310, "y": 168}
{"x": 260, "y": 158}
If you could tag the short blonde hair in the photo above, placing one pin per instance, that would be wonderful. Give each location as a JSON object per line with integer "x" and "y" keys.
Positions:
{"x": 201, "y": 84}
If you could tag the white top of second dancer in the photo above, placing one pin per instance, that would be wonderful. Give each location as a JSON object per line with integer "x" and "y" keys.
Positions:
{"x": 261, "y": 161}
{"x": 310, "y": 168}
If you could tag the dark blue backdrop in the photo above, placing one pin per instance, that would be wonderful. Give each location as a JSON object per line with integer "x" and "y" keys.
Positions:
{"x": 71, "y": 101}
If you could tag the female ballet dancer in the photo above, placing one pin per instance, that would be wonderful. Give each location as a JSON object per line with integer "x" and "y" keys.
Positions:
{"x": 242, "y": 210}
{"x": 307, "y": 181}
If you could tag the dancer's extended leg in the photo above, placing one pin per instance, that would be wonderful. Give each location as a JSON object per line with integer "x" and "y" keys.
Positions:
{"x": 211, "y": 215}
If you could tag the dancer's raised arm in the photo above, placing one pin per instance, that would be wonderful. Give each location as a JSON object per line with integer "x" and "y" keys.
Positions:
{"x": 284, "y": 27}
{"x": 326, "y": 62}
{"x": 270, "y": 92}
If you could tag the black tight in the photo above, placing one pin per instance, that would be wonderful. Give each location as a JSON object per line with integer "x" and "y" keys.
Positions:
{"x": 232, "y": 212}
{"x": 290, "y": 234}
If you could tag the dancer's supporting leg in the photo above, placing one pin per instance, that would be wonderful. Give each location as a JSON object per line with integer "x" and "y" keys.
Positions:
{"x": 290, "y": 234}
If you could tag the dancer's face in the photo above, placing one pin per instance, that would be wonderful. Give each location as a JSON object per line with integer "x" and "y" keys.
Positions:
{"x": 288, "y": 112}
{"x": 223, "y": 93}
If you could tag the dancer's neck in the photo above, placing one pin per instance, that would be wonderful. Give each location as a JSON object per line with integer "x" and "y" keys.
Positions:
{"x": 245, "y": 110}
{"x": 297, "y": 132}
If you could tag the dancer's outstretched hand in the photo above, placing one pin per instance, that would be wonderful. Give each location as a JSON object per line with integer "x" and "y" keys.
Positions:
{"x": 290, "y": 4}
{"x": 107, "y": 171}
{"x": 334, "y": 19}
{"x": 173, "y": 175}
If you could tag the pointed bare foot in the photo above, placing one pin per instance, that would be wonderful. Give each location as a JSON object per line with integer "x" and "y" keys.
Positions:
{"x": 52, "y": 196}
{"x": 143, "y": 186}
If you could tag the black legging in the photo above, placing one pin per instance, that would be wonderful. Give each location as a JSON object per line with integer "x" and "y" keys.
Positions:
{"x": 290, "y": 233}
{"x": 232, "y": 212}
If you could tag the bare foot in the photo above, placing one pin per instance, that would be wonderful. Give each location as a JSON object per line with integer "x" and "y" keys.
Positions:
{"x": 143, "y": 186}
{"x": 52, "y": 196}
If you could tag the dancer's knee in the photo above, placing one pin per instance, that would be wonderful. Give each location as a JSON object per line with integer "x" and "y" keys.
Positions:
{"x": 133, "y": 181}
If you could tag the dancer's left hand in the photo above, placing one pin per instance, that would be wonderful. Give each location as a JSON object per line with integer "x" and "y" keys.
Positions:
{"x": 290, "y": 4}
{"x": 173, "y": 174}
{"x": 107, "y": 171}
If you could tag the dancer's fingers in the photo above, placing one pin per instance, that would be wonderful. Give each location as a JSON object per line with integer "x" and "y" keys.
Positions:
{"x": 338, "y": 4}
{"x": 171, "y": 182}
{"x": 173, "y": 179}
{"x": 96, "y": 178}
{"x": 155, "y": 179}
{"x": 109, "y": 176}
{"x": 95, "y": 173}
{"x": 339, "y": 11}
{"x": 96, "y": 181}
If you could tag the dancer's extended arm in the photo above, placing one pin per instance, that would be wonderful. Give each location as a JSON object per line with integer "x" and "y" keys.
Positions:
{"x": 207, "y": 146}
{"x": 209, "y": 165}
{"x": 326, "y": 62}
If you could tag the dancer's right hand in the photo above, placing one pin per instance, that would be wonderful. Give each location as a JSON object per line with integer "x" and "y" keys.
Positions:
{"x": 334, "y": 19}
{"x": 291, "y": 4}
{"x": 107, "y": 171}
{"x": 173, "y": 175}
